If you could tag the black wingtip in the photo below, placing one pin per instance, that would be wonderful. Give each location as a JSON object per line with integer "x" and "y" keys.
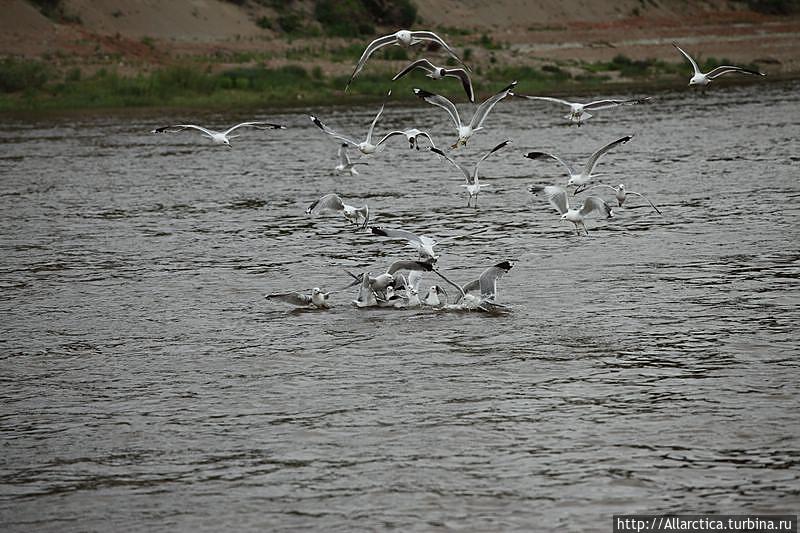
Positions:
{"x": 422, "y": 93}
{"x": 377, "y": 230}
{"x": 534, "y": 155}
{"x": 510, "y": 86}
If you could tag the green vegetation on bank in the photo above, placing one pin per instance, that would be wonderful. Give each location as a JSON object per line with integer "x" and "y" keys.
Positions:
{"x": 33, "y": 85}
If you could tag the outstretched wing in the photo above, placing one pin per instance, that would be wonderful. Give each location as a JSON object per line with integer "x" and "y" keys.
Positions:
{"x": 440, "y": 101}
{"x": 330, "y": 132}
{"x": 409, "y": 265}
{"x": 459, "y": 166}
{"x": 489, "y": 277}
{"x": 687, "y": 56}
{"x": 371, "y": 47}
{"x": 545, "y": 98}
{"x": 540, "y": 155}
{"x": 605, "y": 104}
{"x": 389, "y": 136}
{"x": 487, "y": 105}
{"x": 595, "y": 203}
{"x": 344, "y": 159}
{"x": 466, "y": 82}
{"x": 181, "y": 127}
{"x": 330, "y": 201}
{"x": 424, "y": 64}
{"x": 473, "y": 285}
{"x": 726, "y": 69}
{"x": 430, "y": 36}
{"x": 592, "y": 162}
{"x": 256, "y": 125}
{"x": 294, "y": 298}
{"x": 557, "y": 197}
{"x": 490, "y": 152}
{"x": 375, "y": 120}
{"x": 647, "y": 199}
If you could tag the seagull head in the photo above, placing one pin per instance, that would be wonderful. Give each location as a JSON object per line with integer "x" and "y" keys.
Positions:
{"x": 315, "y": 291}
{"x": 227, "y": 143}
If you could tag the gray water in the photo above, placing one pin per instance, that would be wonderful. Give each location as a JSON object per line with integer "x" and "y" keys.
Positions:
{"x": 650, "y": 367}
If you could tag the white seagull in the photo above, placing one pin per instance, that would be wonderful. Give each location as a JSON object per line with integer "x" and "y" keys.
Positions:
{"x": 367, "y": 147}
{"x": 473, "y": 184}
{"x": 404, "y": 38}
{"x": 557, "y": 197}
{"x": 422, "y": 243}
{"x": 580, "y": 179}
{"x": 413, "y": 135}
{"x": 578, "y": 111}
{"x": 219, "y": 137}
{"x": 345, "y": 165}
{"x": 439, "y": 73}
{"x": 621, "y": 194}
{"x": 381, "y": 287}
{"x": 487, "y": 283}
{"x": 476, "y": 124}
{"x": 358, "y": 216}
{"x": 317, "y": 298}
{"x": 703, "y": 79}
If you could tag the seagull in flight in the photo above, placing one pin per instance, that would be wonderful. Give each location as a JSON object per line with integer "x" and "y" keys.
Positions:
{"x": 580, "y": 179}
{"x": 439, "y": 73}
{"x": 557, "y": 197}
{"x": 358, "y": 216}
{"x": 316, "y": 299}
{"x": 219, "y": 137}
{"x": 621, "y": 194}
{"x": 486, "y": 284}
{"x": 578, "y": 111}
{"x": 703, "y": 79}
{"x": 367, "y": 147}
{"x": 473, "y": 184}
{"x": 404, "y": 38}
{"x": 345, "y": 165}
{"x": 476, "y": 124}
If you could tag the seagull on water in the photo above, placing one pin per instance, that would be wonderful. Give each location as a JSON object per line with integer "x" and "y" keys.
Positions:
{"x": 621, "y": 194}
{"x": 476, "y": 124}
{"x": 374, "y": 290}
{"x": 473, "y": 185}
{"x": 580, "y": 179}
{"x": 703, "y": 79}
{"x": 404, "y": 38}
{"x": 219, "y": 137}
{"x": 557, "y": 197}
{"x": 358, "y": 216}
{"x": 366, "y": 147}
{"x": 317, "y": 298}
{"x": 345, "y": 165}
{"x": 486, "y": 283}
{"x": 439, "y": 73}
{"x": 578, "y": 111}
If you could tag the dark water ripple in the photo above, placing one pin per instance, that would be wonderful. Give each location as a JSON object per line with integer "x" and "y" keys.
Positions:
{"x": 147, "y": 385}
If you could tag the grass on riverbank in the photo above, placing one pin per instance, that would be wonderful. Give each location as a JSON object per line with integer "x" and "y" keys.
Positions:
{"x": 32, "y": 85}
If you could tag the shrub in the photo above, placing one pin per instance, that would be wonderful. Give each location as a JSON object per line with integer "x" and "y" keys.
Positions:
{"x": 343, "y": 18}
{"x": 22, "y": 75}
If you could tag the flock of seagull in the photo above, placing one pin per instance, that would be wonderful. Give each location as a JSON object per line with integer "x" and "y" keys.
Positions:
{"x": 399, "y": 285}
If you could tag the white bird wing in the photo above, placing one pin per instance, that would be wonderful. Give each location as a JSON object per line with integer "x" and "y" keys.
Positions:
{"x": 430, "y": 36}
{"x": 489, "y": 277}
{"x": 413, "y": 238}
{"x": 557, "y": 197}
{"x": 646, "y": 199}
{"x": 424, "y": 64}
{"x": 595, "y": 203}
{"x": 294, "y": 298}
{"x": 440, "y": 101}
{"x": 371, "y": 47}
{"x": 726, "y": 69}
{"x": 459, "y": 166}
{"x": 539, "y": 155}
{"x": 389, "y": 136}
{"x": 605, "y": 104}
{"x": 181, "y": 127}
{"x": 687, "y": 56}
{"x": 473, "y": 285}
{"x": 545, "y": 98}
{"x": 490, "y": 152}
{"x": 375, "y": 120}
{"x": 330, "y": 201}
{"x": 592, "y": 162}
{"x": 415, "y": 134}
{"x": 466, "y": 82}
{"x": 344, "y": 159}
{"x": 600, "y": 185}
{"x": 414, "y": 277}
{"x": 256, "y": 125}
{"x": 487, "y": 105}
{"x": 331, "y": 132}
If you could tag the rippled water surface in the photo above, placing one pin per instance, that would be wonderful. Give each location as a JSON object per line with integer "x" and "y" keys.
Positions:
{"x": 651, "y": 367}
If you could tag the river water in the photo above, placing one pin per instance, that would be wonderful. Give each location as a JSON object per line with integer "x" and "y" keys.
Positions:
{"x": 650, "y": 367}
